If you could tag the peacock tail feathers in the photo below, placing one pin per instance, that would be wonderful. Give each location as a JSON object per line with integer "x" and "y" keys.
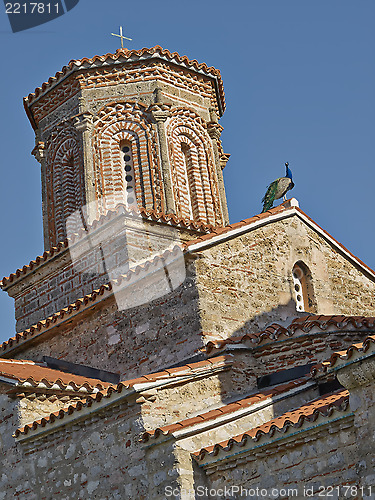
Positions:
{"x": 269, "y": 197}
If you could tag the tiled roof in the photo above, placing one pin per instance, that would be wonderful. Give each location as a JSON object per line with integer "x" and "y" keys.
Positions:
{"x": 191, "y": 369}
{"x": 35, "y": 375}
{"x": 223, "y": 410}
{"x": 304, "y": 324}
{"x": 170, "y": 219}
{"x": 103, "y": 292}
{"x": 124, "y": 55}
{"x": 159, "y": 378}
{"x": 33, "y": 264}
{"x": 58, "y": 317}
{"x": 151, "y": 215}
{"x": 286, "y": 209}
{"x": 243, "y": 223}
{"x": 325, "y": 406}
{"x": 353, "y": 352}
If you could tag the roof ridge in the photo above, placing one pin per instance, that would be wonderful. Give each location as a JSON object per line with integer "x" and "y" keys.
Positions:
{"x": 116, "y": 389}
{"x": 155, "y": 215}
{"x": 227, "y": 229}
{"x": 122, "y": 56}
{"x": 338, "y": 400}
{"x": 305, "y": 324}
{"x": 343, "y": 355}
{"x": 231, "y": 407}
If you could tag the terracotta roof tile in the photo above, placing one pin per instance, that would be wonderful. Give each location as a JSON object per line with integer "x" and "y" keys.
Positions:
{"x": 223, "y": 410}
{"x": 122, "y": 55}
{"x": 88, "y": 300}
{"x": 148, "y": 214}
{"x": 31, "y": 374}
{"x": 227, "y": 229}
{"x": 304, "y": 324}
{"x": 336, "y": 357}
{"x": 325, "y": 405}
{"x": 337, "y": 242}
{"x": 57, "y": 317}
{"x": 108, "y": 391}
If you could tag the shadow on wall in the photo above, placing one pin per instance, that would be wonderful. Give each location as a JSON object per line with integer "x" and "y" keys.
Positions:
{"x": 282, "y": 315}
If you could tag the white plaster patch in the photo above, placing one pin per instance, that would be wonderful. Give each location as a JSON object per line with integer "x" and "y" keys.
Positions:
{"x": 111, "y": 330}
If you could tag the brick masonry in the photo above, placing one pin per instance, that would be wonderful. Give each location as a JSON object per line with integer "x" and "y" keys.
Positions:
{"x": 225, "y": 289}
{"x": 167, "y": 109}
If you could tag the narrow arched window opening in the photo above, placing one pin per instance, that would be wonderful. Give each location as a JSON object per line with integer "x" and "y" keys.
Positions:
{"x": 186, "y": 156}
{"x": 303, "y": 289}
{"x": 128, "y": 173}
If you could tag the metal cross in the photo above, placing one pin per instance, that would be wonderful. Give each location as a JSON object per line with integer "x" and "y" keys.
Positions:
{"x": 122, "y": 37}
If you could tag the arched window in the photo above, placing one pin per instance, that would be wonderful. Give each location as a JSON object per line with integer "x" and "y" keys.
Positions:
{"x": 186, "y": 157}
{"x": 128, "y": 172}
{"x": 303, "y": 289}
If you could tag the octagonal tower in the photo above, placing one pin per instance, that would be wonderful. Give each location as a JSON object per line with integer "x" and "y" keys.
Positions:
{"x": 138, "y": 127}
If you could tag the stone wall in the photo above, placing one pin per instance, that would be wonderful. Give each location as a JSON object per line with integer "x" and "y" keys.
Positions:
{"x": 223, "y": 295}
{"x": 359, "y": 378}
{"x": 98, "y": 455}
{"x": 307, "y": 463}
{"x": 246, "y": 283}
{"x": 308, "y": 348}
{"x": 132, "y": 342}
{"x": 109, "y": 252}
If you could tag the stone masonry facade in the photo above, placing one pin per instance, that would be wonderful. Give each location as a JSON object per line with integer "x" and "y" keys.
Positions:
{"x": 161, "y": 352}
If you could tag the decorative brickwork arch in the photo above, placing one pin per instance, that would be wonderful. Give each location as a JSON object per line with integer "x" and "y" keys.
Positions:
{"x": 194, "y": 179}
{"x": 128, "y": 123}
{"x": 64, "y": 182}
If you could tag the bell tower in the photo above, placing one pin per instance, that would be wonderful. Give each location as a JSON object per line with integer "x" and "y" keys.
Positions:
{"x": 138, "y": 127}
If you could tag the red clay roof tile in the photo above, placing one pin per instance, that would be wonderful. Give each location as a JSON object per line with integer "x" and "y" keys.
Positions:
{"x": 57, "y": 317}
{"x": 224, "y": 410}
{"x": 361, "y": 347}
{"x": 304, "y": 324}
{"x": 322, "y": 406}
{"x": 34, "y": 374}
{"x": 121, "y": 56}
{"x": 126, "y": 384}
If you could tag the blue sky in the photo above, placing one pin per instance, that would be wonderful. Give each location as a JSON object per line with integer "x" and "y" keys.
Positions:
{"x": 299, "y": 78}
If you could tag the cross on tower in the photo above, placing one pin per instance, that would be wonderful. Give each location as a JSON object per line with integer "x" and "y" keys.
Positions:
{"x": 122, "y": 37}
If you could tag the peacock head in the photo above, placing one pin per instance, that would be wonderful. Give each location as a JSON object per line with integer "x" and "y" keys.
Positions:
{"x": 288, "y": 171}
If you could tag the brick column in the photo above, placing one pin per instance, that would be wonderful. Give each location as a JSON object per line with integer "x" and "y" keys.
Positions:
{"x": 161, "y": 112}
{"x": 214, "y": 130}
{"x": 84, "y": 124}
{"x": 40, "y": 155}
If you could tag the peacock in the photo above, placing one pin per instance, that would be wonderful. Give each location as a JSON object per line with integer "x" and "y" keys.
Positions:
{"x": 277, "y": 189}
